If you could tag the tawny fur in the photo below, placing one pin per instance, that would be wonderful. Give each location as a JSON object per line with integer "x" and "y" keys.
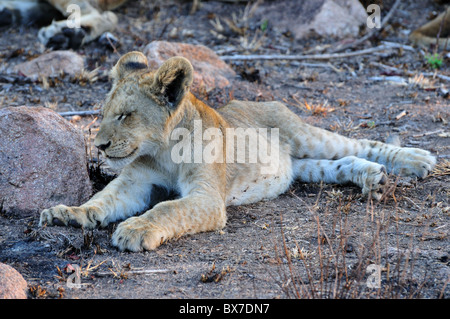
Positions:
{"x": 142, "y": 111}
{"x": 434, "y": 32}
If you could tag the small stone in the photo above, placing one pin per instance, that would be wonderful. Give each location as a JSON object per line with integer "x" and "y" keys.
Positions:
{"x": 348, "y": 248}
{"x": 210, "y": 72}
{"x": 12, "y": 284}
{"x": 51, "y": 64}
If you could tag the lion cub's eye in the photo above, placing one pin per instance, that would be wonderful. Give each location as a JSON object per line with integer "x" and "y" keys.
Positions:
{"x": 122, "y": 116}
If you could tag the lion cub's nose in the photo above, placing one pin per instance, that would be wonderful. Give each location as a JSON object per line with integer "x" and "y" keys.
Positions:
{"x": 103, "y": 147}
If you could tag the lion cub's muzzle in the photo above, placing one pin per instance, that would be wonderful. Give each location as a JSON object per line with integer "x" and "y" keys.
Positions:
{"x": 116, "y": 151}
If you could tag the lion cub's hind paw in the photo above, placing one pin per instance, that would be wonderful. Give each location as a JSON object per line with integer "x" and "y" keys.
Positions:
{"x": 375, "y": 181}
{"x": 414, "y": 162}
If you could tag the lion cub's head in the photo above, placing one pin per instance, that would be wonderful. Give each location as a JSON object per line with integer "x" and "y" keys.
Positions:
{"x": 140, "y": 106}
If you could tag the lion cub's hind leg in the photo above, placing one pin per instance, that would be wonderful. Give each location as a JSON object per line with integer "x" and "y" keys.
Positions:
{"x": 309, "y": 142}
{"x": 321, "y": 155}
{"x": 362, "y": 162}
{"x": 404, "y": 161}
{"x": 368, "y": 175}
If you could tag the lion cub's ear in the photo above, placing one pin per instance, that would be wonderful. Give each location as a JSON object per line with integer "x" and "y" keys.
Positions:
{"x": 128, "y": 63}
{"x": 172, "y": 80}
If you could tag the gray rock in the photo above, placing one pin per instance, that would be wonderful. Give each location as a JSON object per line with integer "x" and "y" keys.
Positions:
{"x": 42, "y": 161}
{"x": 326, "y": 18}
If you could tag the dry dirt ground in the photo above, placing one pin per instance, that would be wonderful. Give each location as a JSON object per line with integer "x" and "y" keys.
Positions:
{"x": 314, "y": 241}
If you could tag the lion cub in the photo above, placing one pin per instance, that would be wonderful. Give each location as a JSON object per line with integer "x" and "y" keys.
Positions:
{"x": 162, "y": 135}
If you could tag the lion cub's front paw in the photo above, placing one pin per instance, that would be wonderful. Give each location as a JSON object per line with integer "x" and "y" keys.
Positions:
{"x": 61, "y": 215}
{"x": 137, "y": 234}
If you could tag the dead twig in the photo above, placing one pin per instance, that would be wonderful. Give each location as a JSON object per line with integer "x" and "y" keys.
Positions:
{"x": 318, "y": 65}
{"x": 442, "y": 168}
{"x": 428, "y": 133}
{"x": 382, "y": 47}
{"x": 80, "y": 113}
{"x": 113, "y": 46}
{"x": 398, "y": 46}
{"x": 401, "y": 114}
{"x": 133, "y": 272}
{"x": 439, "y": 32}
{"x": 410, "y": 73}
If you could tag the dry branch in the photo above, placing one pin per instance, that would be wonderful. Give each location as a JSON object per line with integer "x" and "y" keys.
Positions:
{"x": 410, "y": 73}
{"x": 80, "y": 113}
{"x": 134, "y": 272}
{"x": 428, "y": 133}
{"x": 382, "y": 47}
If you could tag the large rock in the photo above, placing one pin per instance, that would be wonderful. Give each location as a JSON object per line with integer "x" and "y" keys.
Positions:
{"x": 12, "y": 284}
{"x": 51, "y": 65}
{"x": 326, "y": 18}
{"x": 210, "y": 71}
{"x": 42, "y": 161}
